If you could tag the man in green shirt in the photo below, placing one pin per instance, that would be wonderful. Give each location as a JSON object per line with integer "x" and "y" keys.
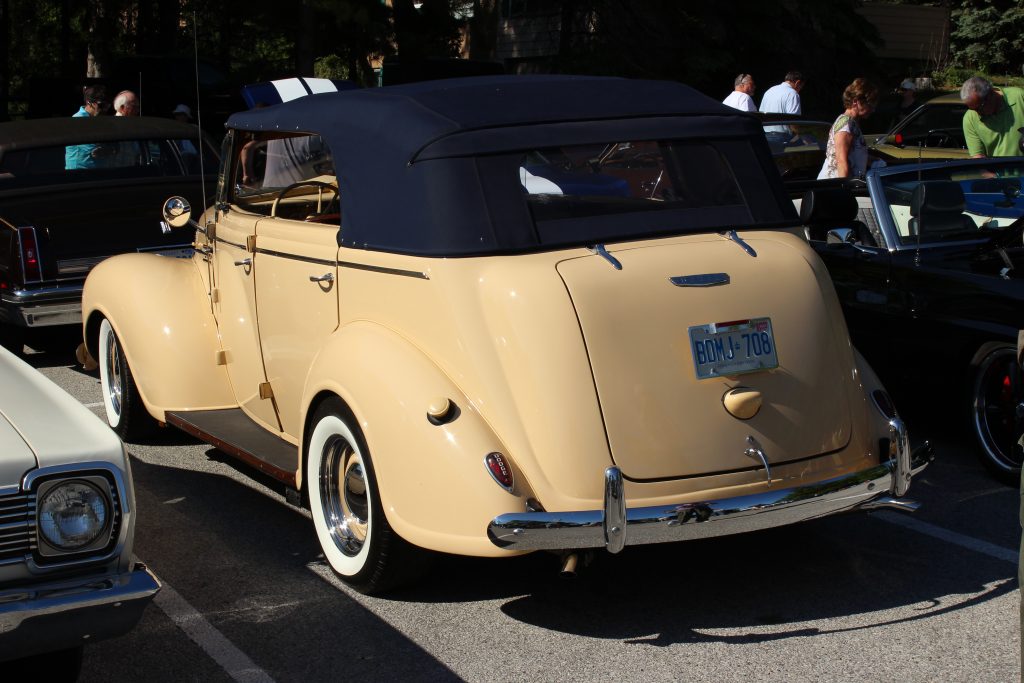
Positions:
{"x": 993, "y": 118}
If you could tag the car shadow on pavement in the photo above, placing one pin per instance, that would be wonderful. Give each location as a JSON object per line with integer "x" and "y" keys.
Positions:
{"x": 828, "y": 576}
{"x": 243, "y": 563}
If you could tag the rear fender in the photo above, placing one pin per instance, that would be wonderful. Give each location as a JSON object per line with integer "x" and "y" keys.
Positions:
{"x": 160, "y": 310}
{"x": 434, "y": 487}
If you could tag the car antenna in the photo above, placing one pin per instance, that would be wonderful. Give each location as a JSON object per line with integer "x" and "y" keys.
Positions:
{"x": 917, "y": 252}
{"x": 199, "y": 111}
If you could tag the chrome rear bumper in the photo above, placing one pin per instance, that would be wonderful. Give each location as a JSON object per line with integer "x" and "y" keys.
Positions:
{"x": 616, "y": 526}
{"x": 57, "y": 305}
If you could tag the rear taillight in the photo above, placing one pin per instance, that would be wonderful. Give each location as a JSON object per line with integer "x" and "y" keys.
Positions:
{"x": 29, "y": 254}
{"x": 499, "y": 470}
{"x": 898, "y": 138}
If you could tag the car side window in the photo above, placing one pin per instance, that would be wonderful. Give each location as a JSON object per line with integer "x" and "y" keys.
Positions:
{"x": 106, "y": 160}
{"x": 288, "y": 176}
{"x": 936, "y": 127}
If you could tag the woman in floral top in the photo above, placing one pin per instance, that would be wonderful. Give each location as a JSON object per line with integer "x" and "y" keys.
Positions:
{"x": 847, "y": 152}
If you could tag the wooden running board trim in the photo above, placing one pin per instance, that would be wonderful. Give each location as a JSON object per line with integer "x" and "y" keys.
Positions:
{"x": 203, "y": 429}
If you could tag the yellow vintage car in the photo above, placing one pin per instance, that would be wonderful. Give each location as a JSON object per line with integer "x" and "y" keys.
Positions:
{"x": 496, "y": 315}
{"x": 931, "y": 132}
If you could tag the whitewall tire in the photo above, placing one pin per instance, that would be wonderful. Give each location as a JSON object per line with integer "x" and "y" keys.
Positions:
{"x": 355, "y": 536}
{"x": 122, "y": 404}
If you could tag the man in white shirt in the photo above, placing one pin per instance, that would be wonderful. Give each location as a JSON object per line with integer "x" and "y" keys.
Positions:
{"x": 784, "y": 98}
{"x": 742, "y": 97}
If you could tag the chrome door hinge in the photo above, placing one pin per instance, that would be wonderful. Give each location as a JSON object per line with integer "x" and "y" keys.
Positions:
{"x": 265, "y": 390}
{"x": 221, "y": 358}
{"x": 215, "y": 295}
{"x": 250, "y": 243}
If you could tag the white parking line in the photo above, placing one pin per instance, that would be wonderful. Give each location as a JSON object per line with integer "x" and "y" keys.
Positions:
{"x": 969, "y": 542}
{"x": 93, "y": 405}
{"x": 235, "y": 662}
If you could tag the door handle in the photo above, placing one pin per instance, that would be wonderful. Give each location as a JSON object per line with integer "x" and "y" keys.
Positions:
{"x": 326, "y": 277}
{"x": 244, "y": 262}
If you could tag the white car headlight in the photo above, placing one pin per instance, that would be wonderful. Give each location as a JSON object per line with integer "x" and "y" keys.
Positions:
{"x": 73, "y": 514}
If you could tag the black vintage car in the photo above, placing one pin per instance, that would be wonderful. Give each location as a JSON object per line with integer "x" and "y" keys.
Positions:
{"x": 928, "y": 262}
{"x": 74, "y": 191}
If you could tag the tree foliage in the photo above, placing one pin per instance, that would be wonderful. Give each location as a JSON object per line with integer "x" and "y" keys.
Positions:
{"x": 988, "y": 35}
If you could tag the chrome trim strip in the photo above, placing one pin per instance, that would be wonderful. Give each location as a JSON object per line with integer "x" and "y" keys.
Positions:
{"x": 703, "y": 519}
{"x": 702, "y": 280}
{"x": 78, "y": 266}
{"x": 295, "y": 257}
{"x": 236, "y": 245}
{"x": 381, "y": 269}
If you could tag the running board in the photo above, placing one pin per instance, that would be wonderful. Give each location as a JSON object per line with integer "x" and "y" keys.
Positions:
{"x": 233, "y": 432}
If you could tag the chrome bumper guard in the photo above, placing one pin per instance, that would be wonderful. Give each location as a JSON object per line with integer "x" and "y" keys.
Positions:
{"x": 73, "y": 612}
{"x": 616, "y": 526}
{"x": 60, "y": 305}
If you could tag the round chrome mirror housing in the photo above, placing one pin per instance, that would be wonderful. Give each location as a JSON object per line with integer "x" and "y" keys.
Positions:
{"x": 177, "y": 212}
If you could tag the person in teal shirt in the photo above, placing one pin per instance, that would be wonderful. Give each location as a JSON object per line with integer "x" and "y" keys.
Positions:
{"x": 993, "y": 118}
{"x": 88, "y": 155}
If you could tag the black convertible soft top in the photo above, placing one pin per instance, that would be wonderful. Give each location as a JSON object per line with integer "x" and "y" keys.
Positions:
{"x": 417, "y": 163}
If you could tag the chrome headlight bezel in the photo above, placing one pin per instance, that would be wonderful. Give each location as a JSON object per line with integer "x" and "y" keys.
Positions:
{"x": 99, "y": 540}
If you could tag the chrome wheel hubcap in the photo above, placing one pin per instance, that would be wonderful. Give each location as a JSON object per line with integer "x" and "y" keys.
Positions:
{"x": 343, "y": 495}
{"x": 113, "y": 367}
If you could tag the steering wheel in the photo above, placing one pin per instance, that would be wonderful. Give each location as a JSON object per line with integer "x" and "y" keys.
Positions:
{"x": 939, "y": 138}
{"x": 321, "y": 186}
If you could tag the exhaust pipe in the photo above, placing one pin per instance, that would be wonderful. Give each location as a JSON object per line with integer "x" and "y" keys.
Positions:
{"x": 569, "y": 563}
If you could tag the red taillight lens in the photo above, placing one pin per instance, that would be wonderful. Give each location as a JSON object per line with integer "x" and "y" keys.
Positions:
{"x": 29, "y": 254}
{"x": 499, "y": 469}
{"x": 898, "y": 138}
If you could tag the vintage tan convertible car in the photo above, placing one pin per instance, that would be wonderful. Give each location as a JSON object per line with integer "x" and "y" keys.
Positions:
{"x": 497, "y": 315}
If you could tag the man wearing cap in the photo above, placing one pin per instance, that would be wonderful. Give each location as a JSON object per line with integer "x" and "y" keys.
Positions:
{"x": 908, "y": 101}
{"x": 182, "y": 113}
{"x": 187, "y": 150}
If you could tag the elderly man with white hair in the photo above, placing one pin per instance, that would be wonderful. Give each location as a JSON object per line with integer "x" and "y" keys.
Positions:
{"x": 126, "y": 104}
{"x": 993, "y": 118}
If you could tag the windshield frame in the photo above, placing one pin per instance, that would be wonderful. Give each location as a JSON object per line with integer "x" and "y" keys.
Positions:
{"x": 879, "y": 179}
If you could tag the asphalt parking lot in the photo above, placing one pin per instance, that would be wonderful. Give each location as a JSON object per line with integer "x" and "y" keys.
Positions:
{"x": 865, "y": 597}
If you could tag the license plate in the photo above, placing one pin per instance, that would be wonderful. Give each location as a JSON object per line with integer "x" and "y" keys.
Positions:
{"x": 733, "y": 348}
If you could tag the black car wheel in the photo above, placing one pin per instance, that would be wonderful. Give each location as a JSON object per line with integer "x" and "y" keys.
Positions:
{"x": 995, "y": 395}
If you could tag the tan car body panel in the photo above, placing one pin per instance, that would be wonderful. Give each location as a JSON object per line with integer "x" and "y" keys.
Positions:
{"x": 500, "y": 337}
{"x": 160, "y": 309}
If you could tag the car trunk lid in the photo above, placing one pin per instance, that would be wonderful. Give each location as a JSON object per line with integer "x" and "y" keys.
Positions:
{"x": 661, "y": 420}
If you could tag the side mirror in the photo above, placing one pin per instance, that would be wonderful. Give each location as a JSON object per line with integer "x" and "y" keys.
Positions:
{"x": 841, "y": 236}
{"x": 177, "y": 213}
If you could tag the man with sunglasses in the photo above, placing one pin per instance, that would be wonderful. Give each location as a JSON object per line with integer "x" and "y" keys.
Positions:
{"x": 993, "y": 118}
{"x": 89, "y": 155}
